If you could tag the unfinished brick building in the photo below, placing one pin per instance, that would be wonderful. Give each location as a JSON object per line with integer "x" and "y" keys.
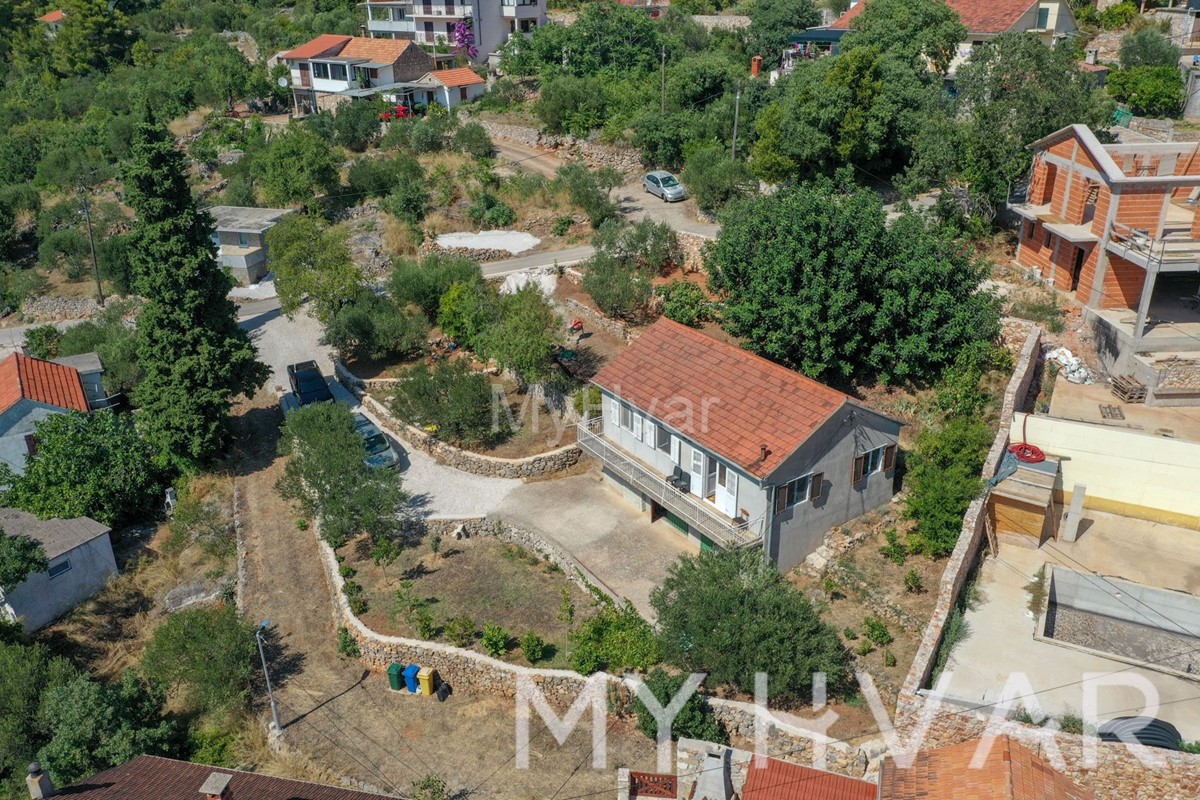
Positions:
{"x": 1116, "y": 225}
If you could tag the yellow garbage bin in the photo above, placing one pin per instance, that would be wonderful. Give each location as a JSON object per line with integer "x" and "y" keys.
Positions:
{"x": 425, "y": 679}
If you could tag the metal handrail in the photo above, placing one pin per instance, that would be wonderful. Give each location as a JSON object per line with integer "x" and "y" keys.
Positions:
{"x": 723, "y": 531}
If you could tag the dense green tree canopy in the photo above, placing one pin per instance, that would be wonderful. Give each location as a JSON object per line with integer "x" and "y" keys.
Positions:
{"x": 312, "y": 260}
{"x": 815, "y": 278}
{"x": 731, "y": 613}
{"x": 524, "y": 336}
{"x": 1148, "y": 47}
{"x": 207, "y": 655}
{"x": 193, "y": 356}
{"x": 27, "y": 673}
{"x": 773, "y": 21}
{"x": 20, "y": 557}
{"x": 920, "y": 31}
{"x": 87, "y": 465}
{"x": 297, "y": 165}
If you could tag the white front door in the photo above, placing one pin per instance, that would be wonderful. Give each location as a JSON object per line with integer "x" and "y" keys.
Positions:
{"x": 697, "y": 470}
{"x": 726, "y": 499}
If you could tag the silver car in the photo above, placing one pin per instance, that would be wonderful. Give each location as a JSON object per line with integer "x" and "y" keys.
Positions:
{"x": 380, "y": 453}
{"x": 664, "y": 185}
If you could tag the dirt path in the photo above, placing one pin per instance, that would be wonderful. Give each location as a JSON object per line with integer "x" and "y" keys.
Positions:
{"x": 344, "y": 716}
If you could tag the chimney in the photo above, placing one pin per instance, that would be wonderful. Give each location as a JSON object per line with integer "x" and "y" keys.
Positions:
{"x": 1090, "y": 55}
{"x": 38, "y": 782}
{"x": 762, "y": 452}
{"x": 216, "y": 786}
{"x": 755, "y": 66}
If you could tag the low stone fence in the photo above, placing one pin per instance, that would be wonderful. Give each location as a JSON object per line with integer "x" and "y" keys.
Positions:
{"x": 596, "y": 154}
{"x": 475, "y": 463}
{"x": 970, "y": 541}
{"x": 594, "y": 319}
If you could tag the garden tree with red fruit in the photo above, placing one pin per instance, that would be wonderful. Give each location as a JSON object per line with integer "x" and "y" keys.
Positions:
{"x": 194, "y": 357}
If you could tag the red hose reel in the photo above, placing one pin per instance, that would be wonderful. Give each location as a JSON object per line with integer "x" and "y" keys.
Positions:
{"x": 1029, "y": 453}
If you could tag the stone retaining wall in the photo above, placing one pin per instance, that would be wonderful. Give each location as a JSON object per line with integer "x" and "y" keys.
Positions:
{"x": 475, "y": 463}
{"x": 595, "y": 319}
{"x": 970, "y": 541}
{"x": 595, "y": 154}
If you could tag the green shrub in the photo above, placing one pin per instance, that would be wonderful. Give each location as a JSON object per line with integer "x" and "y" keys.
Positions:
{"x": 849, "y": 633}
{"x": 42, "y": 341}
{"x": 467, "y": 310}
{"x": 358, "y": 605}
{"x": 423, "y": 622}
{"x": 913, "y": 583}
{"x": 214, "y": 678}
{"x": 562, "y": 225}
{"x": 213, "y": 746}
{"x": 1070, "y": 722}
{"x": 451, "y": 399}
{"x": 713, "y": 179}
{"x": 533, "y": 647}
{"x": 376, "y": 177}
{"x": 943, "y": 478}
{"x": 1119, "y": 16}
{"x": 408, "y": 201}
{"x": 647, "y": 247}
{"x": 694, "y": 721}
{"x": 346, "y": 645}
{"x": 460, "y": 631}
{"x": 428, "y": 135}
{"x": 1149, "y": 91}
{"x": 685, "y": 302}
{"x": 494, "y": 640}
{"x": 571, "y": 105}
{"x": 877, "y": 631}
{"x": 894, "y": 550}
{"x": 422, "y": 283}
{"x": 351, "y": 588}
{"x": 590, "y": 190}
{"x": 889, "y": 658}
{"x": 356, "y": 124}
{"x": 473, "y": 140}
{"x": 619, "y": 291}
{"x": 865, "y": 648}
{"x": 490, "y": 210}
{"x": 346, "y": 571}
{"x": 615, "y": 639}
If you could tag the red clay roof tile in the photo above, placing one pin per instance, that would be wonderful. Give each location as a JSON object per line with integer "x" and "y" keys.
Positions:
{"x": 155, "y": 778}
{"x": 980, "y": 16}
{"x": 53, "y": 16}
{"x": 1010, "y": 772}
{"x": 780, "y": 780}
{"x": 456, "y": 77}
{"x": 25, "y": 378}
{"x": 727, "y": 399}
{"x": 327, "y": 44}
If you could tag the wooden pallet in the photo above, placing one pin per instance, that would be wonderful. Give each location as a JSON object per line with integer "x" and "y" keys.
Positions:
{"x": 1128, "y": 390}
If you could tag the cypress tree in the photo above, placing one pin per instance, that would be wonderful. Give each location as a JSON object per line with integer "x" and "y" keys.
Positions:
{"x": 194, "y": 357}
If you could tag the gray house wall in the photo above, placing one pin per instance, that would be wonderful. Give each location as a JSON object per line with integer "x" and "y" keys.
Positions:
{"x": 42, "y": 599}
{"x": 797, "y": 531}
{"x": 853, "y": 430}
{"x": 15, "y": 424}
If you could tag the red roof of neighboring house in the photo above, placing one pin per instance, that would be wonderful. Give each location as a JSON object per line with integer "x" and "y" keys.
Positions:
{"x": 25, "y": 378}
{"x": 737, "y": 400}
{"x": 53, "y": 16}
{"x": 456, "y": 77}
{"x": 980, "y": 16}
{"x": 780, "y": 780}
{"x": 155, "y": 778}
{"x": 383, "y": 51}
{"x": 1010, "y": 772}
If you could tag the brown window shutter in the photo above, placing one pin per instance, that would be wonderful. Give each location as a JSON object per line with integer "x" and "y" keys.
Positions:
{"x": 860, "y": 466}
{"x": 781, "y": 493}
{"x": 889, "y": 457}
{"x": 816, "y": 486}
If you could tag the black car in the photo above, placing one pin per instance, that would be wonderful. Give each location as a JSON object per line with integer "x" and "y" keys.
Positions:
{"x": 308, "y": 384}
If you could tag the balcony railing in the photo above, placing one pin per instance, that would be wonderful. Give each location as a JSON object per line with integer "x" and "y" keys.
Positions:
{"x": 1175, "y": 251}
{"x": 721, "y": 530}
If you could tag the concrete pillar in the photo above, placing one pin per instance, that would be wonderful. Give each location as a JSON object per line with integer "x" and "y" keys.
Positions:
{"x": 1070, "y": 531}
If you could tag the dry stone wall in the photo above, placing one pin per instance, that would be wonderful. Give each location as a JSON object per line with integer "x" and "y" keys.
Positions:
{"x": 595, "y": 154}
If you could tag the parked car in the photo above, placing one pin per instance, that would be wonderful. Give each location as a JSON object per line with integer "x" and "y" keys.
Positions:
{"x": 665, "y": 185}
{"x": 1147, "y": 731}
{"x": 308, "y": 384}
{"x": 380, "y": 453}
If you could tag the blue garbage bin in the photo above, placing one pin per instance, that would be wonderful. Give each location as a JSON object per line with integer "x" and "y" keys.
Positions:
{"x": 410, "y": 677}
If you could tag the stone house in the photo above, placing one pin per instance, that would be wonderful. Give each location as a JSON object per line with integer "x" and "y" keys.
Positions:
{"x": 734, "y": 450}
{"x": 241, "y": 238}
{"x": 80, "y": 559}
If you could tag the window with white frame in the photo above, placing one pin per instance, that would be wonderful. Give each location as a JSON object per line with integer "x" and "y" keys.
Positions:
{"x": 320, "y": 70}
{"x": 804, "y": 489}
{"x": 626, "y": 417}
{"x": 337, "y": 72}
{"x": 881, "y": 458}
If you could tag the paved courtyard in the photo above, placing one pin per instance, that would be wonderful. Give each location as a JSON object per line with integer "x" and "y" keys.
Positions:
{"x": 614, "y": 540}
{"x": 1001, "y": 639}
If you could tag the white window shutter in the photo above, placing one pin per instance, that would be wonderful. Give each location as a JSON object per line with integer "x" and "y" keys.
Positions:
{"x": 637, "y": 426}
{"x": 675, "y": 449}
{"x": 614, "y": 411}
{"x": 731, "y": 479}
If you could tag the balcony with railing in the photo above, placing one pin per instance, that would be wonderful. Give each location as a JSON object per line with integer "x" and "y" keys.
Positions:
{"x": 695, "y": 512}
{"x": 1175, "y": 250}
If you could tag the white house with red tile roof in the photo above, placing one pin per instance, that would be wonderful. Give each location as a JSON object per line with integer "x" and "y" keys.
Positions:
{"x": 734, "y": 450}
{"x": 53, "y": 20}
{"x": 31, "y": 390}
{"x": 493, "y": 22}
{"x": 332, "y": 69}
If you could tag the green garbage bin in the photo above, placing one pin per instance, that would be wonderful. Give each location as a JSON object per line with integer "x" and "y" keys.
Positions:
{"x": 396, "y": 677}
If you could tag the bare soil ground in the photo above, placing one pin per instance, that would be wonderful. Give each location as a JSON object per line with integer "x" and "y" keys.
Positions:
{"x": 343, "y": 716}
{"x": 484, "y": 579}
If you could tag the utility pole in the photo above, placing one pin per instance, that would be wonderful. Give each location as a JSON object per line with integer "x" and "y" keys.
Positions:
{"x": 737, "y": 107}
{"x": 258, "y": 635}
{"x": 662, "y": 95}
{"x": 87, "y": 215}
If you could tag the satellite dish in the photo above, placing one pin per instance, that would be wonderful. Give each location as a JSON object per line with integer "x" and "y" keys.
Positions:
{"x": 283, "y": 82}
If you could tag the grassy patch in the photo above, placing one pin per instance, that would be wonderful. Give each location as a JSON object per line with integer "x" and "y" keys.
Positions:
{"x": 1037, "y": 592}
{"x": 1041, "y": 307}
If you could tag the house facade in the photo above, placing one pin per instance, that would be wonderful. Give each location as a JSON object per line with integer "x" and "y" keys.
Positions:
{"x": 241, "y": 240}
{"x": 1049, "y": 20}
{"x": 80, "y": 558}
{"x": 734, "y": 450}
{"x": 1116, "y": 227}
{"x": 30, "y": 391}
{"x": 332, "y": 69}
{"x": 430, "y": 24}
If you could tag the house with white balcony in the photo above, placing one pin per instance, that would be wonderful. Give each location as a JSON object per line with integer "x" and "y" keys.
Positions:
{"x": 333, "y": 69}
{"x": 734, "y": 450}
{"x": 431, "y": 24}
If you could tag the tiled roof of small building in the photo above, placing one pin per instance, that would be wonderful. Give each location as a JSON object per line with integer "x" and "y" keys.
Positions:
{"x": 25, "y": 378}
